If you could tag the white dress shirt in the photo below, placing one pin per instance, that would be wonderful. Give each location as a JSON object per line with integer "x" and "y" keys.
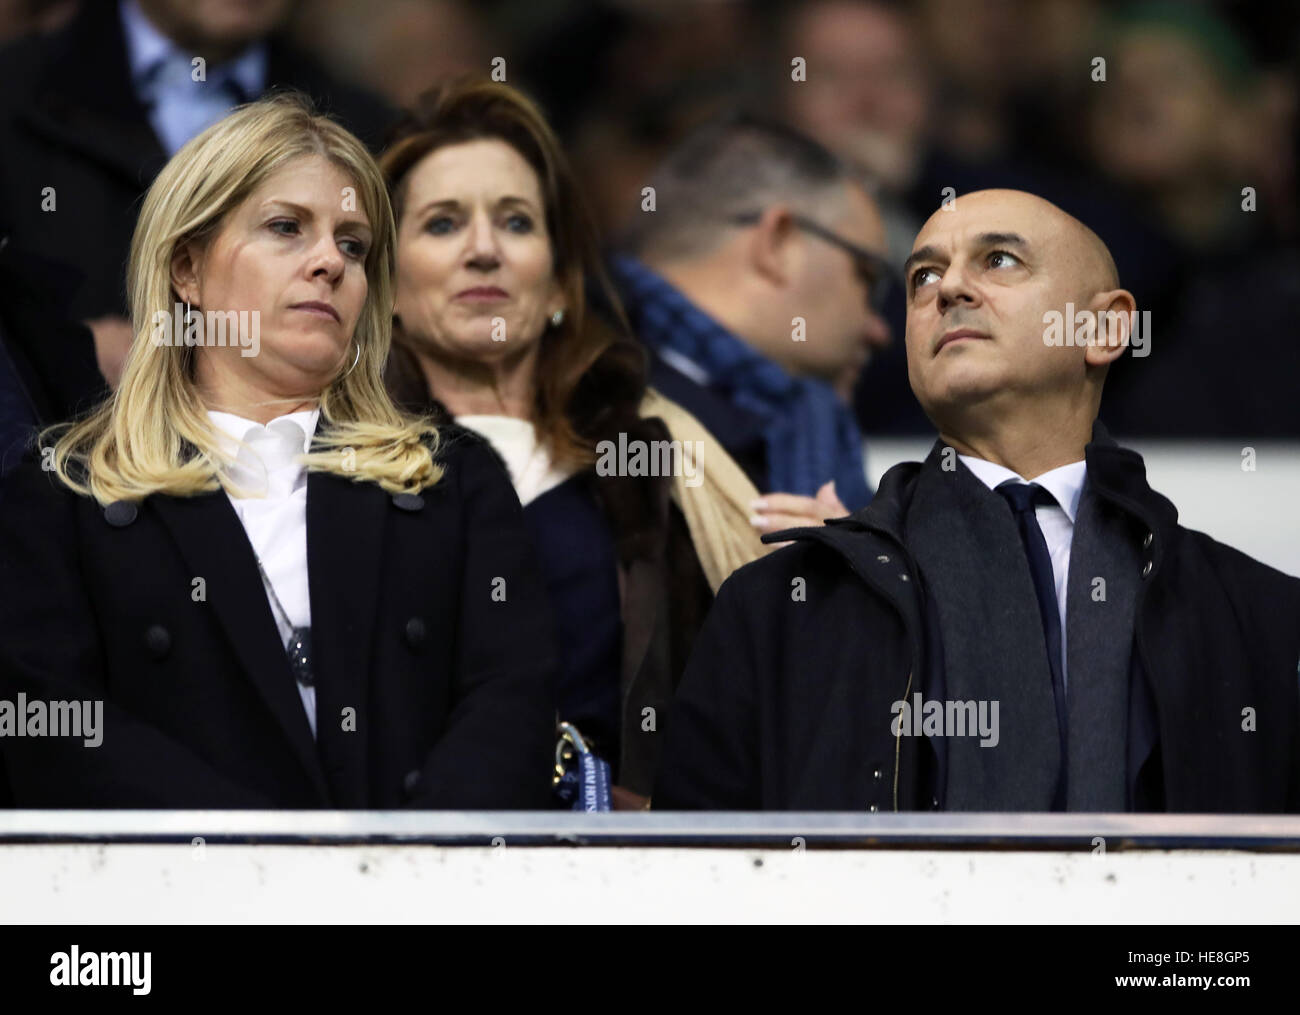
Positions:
{"x": 273, "y": 510}
{"x": 531, "y": 470}
{"x": 1056, "y": 520}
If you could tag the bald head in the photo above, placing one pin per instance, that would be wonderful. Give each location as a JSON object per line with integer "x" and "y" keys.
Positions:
{"x": 1082, "y": 249}
{"x": 1005, "y": 291}
{"x": 1095, "y": 263}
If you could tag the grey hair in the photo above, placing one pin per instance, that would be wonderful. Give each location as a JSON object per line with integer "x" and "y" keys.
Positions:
{"x": 730, "y": 166}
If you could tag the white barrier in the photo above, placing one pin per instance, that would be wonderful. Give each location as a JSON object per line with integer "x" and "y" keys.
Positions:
{"x": 335, "y": 867}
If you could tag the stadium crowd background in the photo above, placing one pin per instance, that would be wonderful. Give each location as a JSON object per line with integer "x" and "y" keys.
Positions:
{"x": 1194, "y": 123}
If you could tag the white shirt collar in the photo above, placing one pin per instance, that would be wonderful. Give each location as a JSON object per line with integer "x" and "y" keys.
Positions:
{"x": 147, "y": 47}
{"x": 1065, "y": 483}
{"x": 266, "y": 461}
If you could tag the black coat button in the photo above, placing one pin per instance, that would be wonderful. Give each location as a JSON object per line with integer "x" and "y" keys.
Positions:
{"x": 412, "y": 782}
{"x": 408, "y": 501}
{"x": 158, "y": 640}
{"x": 415, "y": 632}
{"x": 120, "y": 513}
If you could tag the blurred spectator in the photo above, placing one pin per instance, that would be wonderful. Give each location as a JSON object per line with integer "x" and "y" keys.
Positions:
{"x": 923, "y": 99}
{"x": 398, "y": 48}
{"x": 24, "y": 17}
{"x": 89, "y": 114}
{"x": 1175, "y": 118}
{"x": 980, "y": 51}
{"x": 924, "y": 103}
{"x": 867, "y": 96}
{"x": 752, "y": 278}
{"x": 664, "y": 69}
{"x": 623, "y": 54}
{"x": 1182, "y": 126}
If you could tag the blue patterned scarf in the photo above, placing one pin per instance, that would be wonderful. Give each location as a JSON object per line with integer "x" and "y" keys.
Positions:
{"x": 810, "y": 435}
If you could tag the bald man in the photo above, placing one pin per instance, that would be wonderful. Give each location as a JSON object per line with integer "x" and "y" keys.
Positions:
{"x": 1018, "y": 623}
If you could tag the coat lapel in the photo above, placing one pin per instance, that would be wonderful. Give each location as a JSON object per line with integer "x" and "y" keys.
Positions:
{"x": 345, "y": 524}
{"x": 215, "y": 547}
{"x": 129, "y": 148}
{"x": 87, "y": 103}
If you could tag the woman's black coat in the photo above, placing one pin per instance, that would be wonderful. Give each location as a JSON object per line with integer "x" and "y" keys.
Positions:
{"x": 431, "y": 643}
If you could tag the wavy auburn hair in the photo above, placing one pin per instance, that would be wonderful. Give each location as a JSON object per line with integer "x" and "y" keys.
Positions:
{"x": 153, "y": 434}
{"x": 591, "y": 374}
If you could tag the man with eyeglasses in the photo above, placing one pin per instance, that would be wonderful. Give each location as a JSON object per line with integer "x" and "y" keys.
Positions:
{"x": 755, "y": 274}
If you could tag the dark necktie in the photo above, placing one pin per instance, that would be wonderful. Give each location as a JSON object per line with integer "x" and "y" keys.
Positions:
{"x": 1023, "y": 498}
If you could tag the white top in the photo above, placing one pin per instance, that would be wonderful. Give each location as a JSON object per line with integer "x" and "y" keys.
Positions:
{"x": 529, "y": 463}
{"x": 1056, "y": 520}
{"x": 275, "y": 515}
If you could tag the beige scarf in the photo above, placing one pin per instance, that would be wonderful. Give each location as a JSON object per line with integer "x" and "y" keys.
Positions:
{"x": 717, "y": 507}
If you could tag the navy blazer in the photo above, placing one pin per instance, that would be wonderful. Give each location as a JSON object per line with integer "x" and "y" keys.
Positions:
{"x": 432, "y": 648}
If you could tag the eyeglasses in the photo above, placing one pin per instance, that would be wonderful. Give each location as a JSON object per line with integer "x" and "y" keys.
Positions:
{"x": 876, "y": 273}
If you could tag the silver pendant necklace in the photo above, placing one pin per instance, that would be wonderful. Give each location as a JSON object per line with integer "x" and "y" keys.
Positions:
{"x": 298, "y": 648}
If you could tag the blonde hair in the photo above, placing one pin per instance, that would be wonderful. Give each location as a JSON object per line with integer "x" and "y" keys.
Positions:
{"x": 153, "y": 434}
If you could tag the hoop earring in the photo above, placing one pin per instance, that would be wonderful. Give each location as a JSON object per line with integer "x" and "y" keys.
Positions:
{"x": 355, "y": 360}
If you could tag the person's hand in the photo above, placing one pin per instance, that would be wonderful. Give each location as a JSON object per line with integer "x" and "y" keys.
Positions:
{"x": 776, "y": 511}
{"x": 113, "y": 336}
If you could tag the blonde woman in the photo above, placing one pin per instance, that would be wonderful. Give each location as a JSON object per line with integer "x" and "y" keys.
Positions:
{"x": 257, "y": 581}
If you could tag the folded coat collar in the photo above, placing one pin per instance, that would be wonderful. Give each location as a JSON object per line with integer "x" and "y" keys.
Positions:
{"x": 1116, "y": 473}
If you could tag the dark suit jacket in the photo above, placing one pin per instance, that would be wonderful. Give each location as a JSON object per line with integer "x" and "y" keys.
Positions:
{"x": 786, "y": 703}
{"x": 664, "y": 595}
{"x": 69, "y": 119}
{"x": 451, "y": 685}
